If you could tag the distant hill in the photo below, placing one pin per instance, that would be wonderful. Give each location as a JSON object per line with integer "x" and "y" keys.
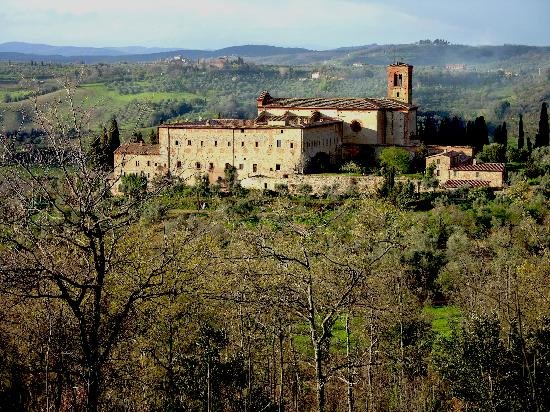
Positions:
{"x": 72, "y": 51}
{"x": 422, "y": 55}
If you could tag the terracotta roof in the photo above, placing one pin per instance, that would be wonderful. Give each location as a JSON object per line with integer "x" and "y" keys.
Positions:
{"x": 455, "y": 184}
{"x": 261, "y": 122}
{"x": 481, "y": 167}
{"x": 293, "y": 119}
{"x": 138, "y": 149}
{"x": 340, "y": 103}
{"x": 450, "y": 153}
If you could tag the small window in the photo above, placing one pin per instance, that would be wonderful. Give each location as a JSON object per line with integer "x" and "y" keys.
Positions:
{"x": 241, "y": 166}
{"x": 278, "y": 143}
{"x": 178, "y": 164}
{"x": 216, "y": 143}
{"x": 265, "y": 185}
{"x": 202, "y": 143}
{"x": 242, "y": 144}
{"x": 242, "y": 130}
{"x": 256, "y": 144}
{"x": 156, "y": 164}
{"x": 397, "y": 94}
{"x": 189, "y": 143}
{"x": 292, "y": 145}
{"x": 148, "y": 163}
{"x": 177, "y": 143}
{"x": 282, "y": 131}
{"x": 228, "y": 144}
{"x": 137, "y": 162}
{"x": 277, "y": 167}
{"x": 198, "y": 165}
{"x": 437, "y": 172}
{"x": 148, "y": 175}
{"x": 211, "y": 166}
{"x": 254, "y": 167}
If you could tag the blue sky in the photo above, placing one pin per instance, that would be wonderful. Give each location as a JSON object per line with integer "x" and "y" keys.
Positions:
{"x": 317, "y": 24}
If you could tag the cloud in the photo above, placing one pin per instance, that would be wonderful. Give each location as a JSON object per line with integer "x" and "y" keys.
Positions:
{"x": 215, "y": 23}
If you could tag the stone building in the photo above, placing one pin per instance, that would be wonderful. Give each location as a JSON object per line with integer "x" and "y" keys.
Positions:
{"x": 287, "y": 137}
{"x": 367, "y": 121}
{"x": 272, "y": 146}
{"x": 455, "y": 169}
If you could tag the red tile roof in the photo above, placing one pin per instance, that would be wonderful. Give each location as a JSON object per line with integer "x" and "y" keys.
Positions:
{"x": 481, "y": 167}
{"x": 138, "y": 149}
{"x": 340, "y": 103}
{"x": 455, "y": 184}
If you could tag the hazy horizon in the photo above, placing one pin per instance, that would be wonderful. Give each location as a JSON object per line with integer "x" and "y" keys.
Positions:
{"x": 312, "y": 24}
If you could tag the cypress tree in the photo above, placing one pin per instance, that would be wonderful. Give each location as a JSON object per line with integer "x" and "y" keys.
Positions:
{"x": 113, "y": 141}
{"x": 96, "y": 151}
{"x": 497, "y": 137}
{"x": 521, "y": 134}
{"x": 153, "y": 137}
{"x": 481, "y": 133}
{"x": 504, "y": 134}
{"x": 543, "y": 136}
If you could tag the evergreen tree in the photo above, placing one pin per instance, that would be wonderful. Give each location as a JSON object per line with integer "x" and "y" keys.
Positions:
{"x": 504, "y": 131}
{"x": 543, "y": 136}
{"x": 113, "y": 142}
{"x": 153, "y": 137}
{"x": 481, "y": 133}
{"x": 521, "y": 134}
{"x": 497, "y": 136}
{"x": 96, "y": 151}
{"x": 529, "y": 145}
{"x": 137, "y": 137}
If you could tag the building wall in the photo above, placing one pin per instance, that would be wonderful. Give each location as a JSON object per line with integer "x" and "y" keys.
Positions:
{"x": 442, "y": 167}
{"x": 403, "y": 91}
{"x": 495, "y": 179}
{"x": 377, "y": 126}
{"x": 267, "y": 151}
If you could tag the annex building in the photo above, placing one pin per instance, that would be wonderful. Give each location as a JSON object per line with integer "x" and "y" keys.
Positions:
{"x": 287, "y": 135}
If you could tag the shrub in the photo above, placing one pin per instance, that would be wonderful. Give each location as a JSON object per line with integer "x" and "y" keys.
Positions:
{"x": 397, "y": 158}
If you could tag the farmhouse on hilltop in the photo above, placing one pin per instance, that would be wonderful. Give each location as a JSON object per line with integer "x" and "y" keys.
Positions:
{"x": 288, "y": 136}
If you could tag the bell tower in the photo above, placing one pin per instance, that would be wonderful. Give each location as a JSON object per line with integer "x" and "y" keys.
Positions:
{"x": 400, "y": 82}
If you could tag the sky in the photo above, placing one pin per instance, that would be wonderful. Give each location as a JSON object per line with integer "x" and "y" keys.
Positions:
{"x": 315, "y": 24}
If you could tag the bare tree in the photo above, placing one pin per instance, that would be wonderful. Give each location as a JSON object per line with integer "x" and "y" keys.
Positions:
{"x": 65, "y": 238}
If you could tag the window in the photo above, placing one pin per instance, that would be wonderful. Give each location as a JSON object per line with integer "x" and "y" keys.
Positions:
{"x": 397, "y": 94}
{"x": 242, "y": 130}
{"x": 277, "y": 167}
{"x": 177, "y": 143}
{"x": 282, "y": 131}
{"x": 148, "y": 175}
{"x": 397, "y": 80}
{"x": 178, "y": 164}
{"x": 228, "y": 144}
{"x": 156, "y": 164}
{"x": 265, "y": 185}
{"x": 198, "y": 165}
{"x": 256, "y": 144}
{"x": 211, "y": 166}
{"x": 148, "y": 163}
{"x": 202, "y": 143}
{"x": 242, "y": 144}
{"x": 438, "y": 161}
{"x": 278, "y": 143}
{"x": 137, "y": 162}
{"x": 189, "y": 143}
{"x": 216, "y": 143}
{"x": 437, "y": 172}
{"x": 241, "y": 166}
{"x": 292, "y": 145}
{"x": 254, "y": 167}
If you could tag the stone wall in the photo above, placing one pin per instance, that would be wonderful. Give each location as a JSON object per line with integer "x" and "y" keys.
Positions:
{"x": 320, "y": 184}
